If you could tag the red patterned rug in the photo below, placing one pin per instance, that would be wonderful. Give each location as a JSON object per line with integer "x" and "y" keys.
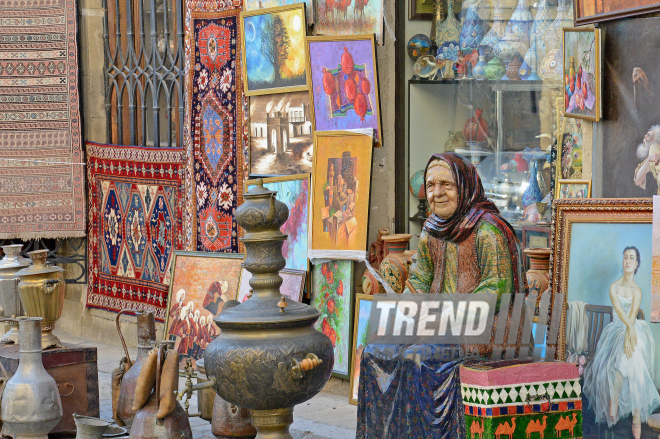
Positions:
{"x": 216, "y": 132}
{"x": 135, "y": 210}
{"x": 41, "y": 170}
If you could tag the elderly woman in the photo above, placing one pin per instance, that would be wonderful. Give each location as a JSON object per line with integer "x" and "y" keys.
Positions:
{"x": 465, "y": 245}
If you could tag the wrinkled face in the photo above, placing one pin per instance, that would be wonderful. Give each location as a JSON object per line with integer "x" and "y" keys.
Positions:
{"x": 630, "y": 261}
{"x": 441, "y": 191}
{"x": 649, "y": 137}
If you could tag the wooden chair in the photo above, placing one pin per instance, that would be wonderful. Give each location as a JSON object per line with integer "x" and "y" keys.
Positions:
{"x": 599, "y": 316}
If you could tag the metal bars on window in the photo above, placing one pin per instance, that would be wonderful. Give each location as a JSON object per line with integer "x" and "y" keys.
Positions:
{"x": 144, "y": 73}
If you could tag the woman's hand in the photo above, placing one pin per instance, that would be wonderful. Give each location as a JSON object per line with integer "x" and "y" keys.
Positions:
{"x": 630, "y": 342}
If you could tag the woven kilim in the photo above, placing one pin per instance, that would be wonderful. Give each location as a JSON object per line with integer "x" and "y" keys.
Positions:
{"x": 135, "y": 210}
{"x": 216, "y": 135}
{"x": 41, "y": 174}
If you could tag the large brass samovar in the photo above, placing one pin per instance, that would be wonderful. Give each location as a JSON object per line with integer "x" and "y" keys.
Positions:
{"x": 268, "y": 357}
{"x": 42, "y": 290}
{"x": 10, "y": 300}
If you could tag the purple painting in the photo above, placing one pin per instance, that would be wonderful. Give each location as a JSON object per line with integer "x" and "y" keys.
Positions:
{"x": 344, "y": 84}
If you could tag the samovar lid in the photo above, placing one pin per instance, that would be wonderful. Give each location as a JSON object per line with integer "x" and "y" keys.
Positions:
{"x": 13, "y": 257}
{"x": 266, "y": 314}
{"x": 39, "y": 265}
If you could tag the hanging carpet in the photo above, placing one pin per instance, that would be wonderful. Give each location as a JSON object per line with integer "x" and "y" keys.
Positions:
{"x": 41, "y": 169}
{"x": 135, "y": 210}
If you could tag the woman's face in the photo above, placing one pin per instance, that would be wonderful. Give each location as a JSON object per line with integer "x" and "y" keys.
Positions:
{"x": 441, "y": 191}
{"x": 630, "y": 261}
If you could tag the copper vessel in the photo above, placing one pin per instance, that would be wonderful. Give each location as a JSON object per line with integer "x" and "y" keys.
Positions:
{"x": 146, "y": 333}
{"x": 268, "y": 357}
{"x": 231, "y": 421}
{"x": 10, "y": 300}
{"x": 42, "y": 290}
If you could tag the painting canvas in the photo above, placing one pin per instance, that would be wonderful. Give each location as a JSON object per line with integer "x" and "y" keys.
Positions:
{"x": 592, "y": 11}
{"x": 420, "y": 9}
{"x": 340, "y": 201}
{"x": 274, "y": 50}
{"x": 569, "y": 167}
{"x": 294, "y": 192}
{"x": 201, "y": 284}
{"x": 582, "y": 73}
{"x": 293, "y": 284}
{"x": 281, "y": 134}
{"x": 251, "y": 5}
{"x": 655, "y": 302}
{"x": 344, "y": 83}
{"x": 332, "y": 296}
{"x": 360, "y": 338}
{"x": 609, "y": 281}
{"x": 574, "y": 189}
{"x": 631, "y": 116}
{"x": 350, "y": 17}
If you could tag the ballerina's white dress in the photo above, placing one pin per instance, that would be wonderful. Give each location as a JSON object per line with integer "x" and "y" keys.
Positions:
{"x": 638, "y": 392}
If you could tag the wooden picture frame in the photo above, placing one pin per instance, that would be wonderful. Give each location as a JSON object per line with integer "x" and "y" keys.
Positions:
{"x": 357, "y": 357}
{"x": 577, "y": 101}
{"x": 302, "y": 27}
{"x": 290, "y": 278}
{"x": 560, "y": 193}
{"x": 639, "y": 7}
{"x": 315, "y": 82}
{"x": 207, "y": 279}
{"x": 417, "y": 10}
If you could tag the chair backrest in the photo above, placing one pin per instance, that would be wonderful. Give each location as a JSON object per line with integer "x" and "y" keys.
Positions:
{"x": 596, "y": 321}
{"x": 640, "y": 315}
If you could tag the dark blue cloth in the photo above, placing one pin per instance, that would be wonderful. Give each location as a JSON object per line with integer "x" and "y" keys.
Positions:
{"x": 409, "y": 396}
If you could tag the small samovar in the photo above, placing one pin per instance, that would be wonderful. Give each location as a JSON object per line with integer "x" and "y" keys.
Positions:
{"x": 10, "y": 300}
{"x": 268, "y": 357}
{"x": 42, "y": 290}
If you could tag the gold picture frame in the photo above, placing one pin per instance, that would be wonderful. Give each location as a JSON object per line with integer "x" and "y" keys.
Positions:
{"x": 559, "y": 193}
{"x": 596, "y": 74}
{"x": 355, "y": 363}
{"x": 304, "y": 56}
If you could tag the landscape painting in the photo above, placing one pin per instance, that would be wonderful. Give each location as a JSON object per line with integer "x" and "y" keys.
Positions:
{"x": 274, "y": 50}
{"x": 344, "y": 85}
{"x": 251, "y": 5}
{"x": 582, "y": 73}
{"x": 281, "y": 141}
{"x": 294, "y": 192}
{"x": 201, "y": 284}
{"x": 360, "y": 339}
{"x": 350, "y": 17}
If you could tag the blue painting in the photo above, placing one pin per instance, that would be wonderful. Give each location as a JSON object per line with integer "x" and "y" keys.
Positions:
{"x": 251, "y": 5}
{"x": 362, "y": 313}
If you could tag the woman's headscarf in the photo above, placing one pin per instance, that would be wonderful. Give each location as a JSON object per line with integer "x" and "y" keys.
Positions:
{"x": 472, "y": 207}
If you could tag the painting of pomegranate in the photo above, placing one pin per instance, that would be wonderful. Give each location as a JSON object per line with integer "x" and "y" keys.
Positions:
{"x": 582, "y": 73}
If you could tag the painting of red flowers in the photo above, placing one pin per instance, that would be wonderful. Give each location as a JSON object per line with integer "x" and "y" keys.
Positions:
{"x": 332, "y": 296}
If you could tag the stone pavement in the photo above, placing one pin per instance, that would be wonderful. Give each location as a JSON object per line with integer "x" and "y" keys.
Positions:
{"x": 326, "y": 416}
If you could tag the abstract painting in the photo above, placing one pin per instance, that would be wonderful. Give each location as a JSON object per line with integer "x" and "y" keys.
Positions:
{"x": 281, "y": 134}
{"x": 631, "y": 109}
{"x": 360, "y": 339}
{"x": 294, "y": 192}
{"x": 605, "y": 282}
{"x": 655, "y": 299}
{"x": 573, "y": 189}
{"x": 293, "y": 284}
{"x": 582, "y": 73}
{"x": 332, "y": 296}
{"x": 340, "y": 202}
{"x": 201, "y": 284}
{"x": 344, "y": 85}
{"x": 252, "y": 5}
{"x": 593, "y": 11}
{"x": 350, "y": 17}
{"x": 274, "y": 51}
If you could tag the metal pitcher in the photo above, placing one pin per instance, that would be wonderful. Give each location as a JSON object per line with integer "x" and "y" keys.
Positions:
{"x": 89, "y": 428}
{"x": 146, "y": 334}
{"x": 31, "y": 404}
{"x": 10, "y": 300}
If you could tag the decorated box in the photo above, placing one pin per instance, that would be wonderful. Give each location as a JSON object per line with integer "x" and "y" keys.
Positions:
{"x": 514, "y": 399}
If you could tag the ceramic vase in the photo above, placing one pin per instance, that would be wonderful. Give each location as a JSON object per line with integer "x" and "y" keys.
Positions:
{"x": 539, "y": 270}
{"x": 495, "y": 33}
{"x": 552, "y": 38}
{"x": 543, "y": 20}
{"x": 439, "y": 16}
{"x": 370, "y": 284}
{"x": 495, "y": 69}
{"x": 394, "y": 268}
{"x": 447, "y": 35}
{"x": 532, "y": 61}
{"x": 473, "y": 30}
{"x": 479, "y": 70}
{"x": 476, "y": 128}
{"x": 512, "y": 69}
{"x": 524, "y": 71}
{"x": 533, "y": 192}
{"x": 516, "y": 37}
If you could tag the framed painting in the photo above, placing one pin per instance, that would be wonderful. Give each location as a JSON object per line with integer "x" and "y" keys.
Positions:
{"x": 293, "y": 284}
{"x": 281, "y": 134}
{"x": 294, "y": 192}
{"x": 332, "y": 296}
{"x": 655, "y": 302}
{"x": 344, "y": 83}
{"x": 602, "y": 266}
{"x": 569, "y": 151}
{"x": 594, "y": 11}
{"x": 253, "y": 5}
{"x": 274, "y": 50}
{"x": 360, "y": 338}
{"x": 420, "y": 9}
{"x": 573, "y": 189}
{"x": 631, "y": 121}
{"x": 350, "y": 18}
{"x": 340, "y": 200}
{"x": 582, "y": 73}
{"x": 201, "y": 284}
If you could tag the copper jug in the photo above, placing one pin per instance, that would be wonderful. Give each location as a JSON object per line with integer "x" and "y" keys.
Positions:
{"x": 146, "y": 333}
{"x": 231, "y": 421}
